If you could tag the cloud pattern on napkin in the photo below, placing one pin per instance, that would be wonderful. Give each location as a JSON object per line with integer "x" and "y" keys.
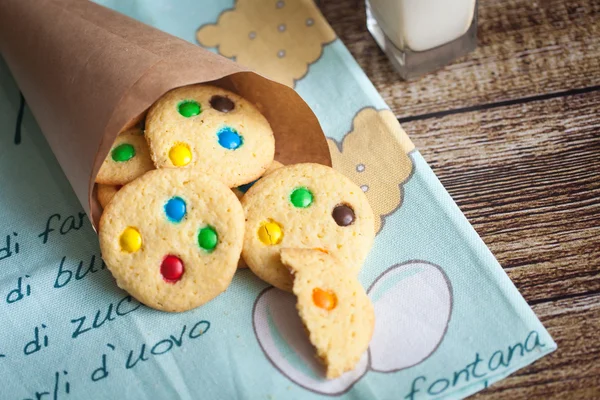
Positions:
{"x": 276, "y": 38}
{"x": 374, "y": 156}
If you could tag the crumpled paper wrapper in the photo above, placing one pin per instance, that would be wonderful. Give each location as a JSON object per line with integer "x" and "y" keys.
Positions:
{"x": 88, "y": 72}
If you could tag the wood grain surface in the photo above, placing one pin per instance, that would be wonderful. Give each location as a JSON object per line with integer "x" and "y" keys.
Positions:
{"x": 513, "y": 132}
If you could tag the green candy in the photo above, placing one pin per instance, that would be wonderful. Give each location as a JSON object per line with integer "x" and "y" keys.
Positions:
{"x": 189, "y": 108}
{"x": 208, "y": 239}
{"x": 301, "y": 198}
{"x": 123, "y": 152}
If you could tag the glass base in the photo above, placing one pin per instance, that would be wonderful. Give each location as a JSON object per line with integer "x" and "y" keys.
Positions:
{"x": 413, "y": 64}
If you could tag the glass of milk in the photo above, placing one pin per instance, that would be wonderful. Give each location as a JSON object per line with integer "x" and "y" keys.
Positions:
{"x": 420, "y": 36}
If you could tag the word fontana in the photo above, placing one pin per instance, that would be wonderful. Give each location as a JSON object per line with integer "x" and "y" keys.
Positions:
{"x": 476, "y": 370}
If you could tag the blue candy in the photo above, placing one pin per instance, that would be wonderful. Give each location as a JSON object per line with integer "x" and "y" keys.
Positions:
{"x": 229, "y": 138}
{"x": 175, "y": 209}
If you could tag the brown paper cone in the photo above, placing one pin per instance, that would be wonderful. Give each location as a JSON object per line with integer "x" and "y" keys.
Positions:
{"x": 88, "y": 72}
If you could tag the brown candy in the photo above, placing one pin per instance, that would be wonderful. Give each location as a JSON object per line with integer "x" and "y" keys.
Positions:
{"x": 343, "y": 215}
{"x": 221, "y": 103}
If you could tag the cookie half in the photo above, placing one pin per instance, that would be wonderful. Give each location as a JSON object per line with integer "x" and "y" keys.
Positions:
{"x": 305, "y": 206}
{"x": 333, "y": 306}
{"x": 128, "y": 159}
{"x": 172, "y": 239}
{"x": 210, "y": 129}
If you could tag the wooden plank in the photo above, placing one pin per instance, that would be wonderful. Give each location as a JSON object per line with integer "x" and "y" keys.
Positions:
{"x": 527, "y": 178}
{"x": 571, "y": 372}
{"x": 525, "y": 49}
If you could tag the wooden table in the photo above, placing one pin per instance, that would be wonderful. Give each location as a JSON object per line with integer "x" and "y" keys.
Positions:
{"x": 513, "y": 132}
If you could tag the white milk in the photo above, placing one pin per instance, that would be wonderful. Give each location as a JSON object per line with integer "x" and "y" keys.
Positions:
{"x": 423, "y": 24}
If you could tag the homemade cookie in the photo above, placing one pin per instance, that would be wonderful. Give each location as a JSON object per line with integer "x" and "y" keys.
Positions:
{"x": 213, "y": 130}
{"x": 333, "y": 306}
{"x": 305, "y": 206}
{"x": 128, "y": 158}
{"x": 172, "y": 239}
{"x": 105, "y": 193}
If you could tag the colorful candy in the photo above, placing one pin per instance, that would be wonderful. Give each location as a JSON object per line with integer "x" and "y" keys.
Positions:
{"x": 130, "y": 240}
{"x": 229, "y": 138}
{"x": 301, "y": 197}
{"x": 189, "y": 108}
{"x": 270, "y": 233}
{"x": 343, "y": 215}
{"x": 325, "y": 299}
{"x": 180, "y": 155}
{"x": 221, "y": 103}
{"x": 123, "y": 152}
{"x": 171, "y": 269}
{"x": 175, "y": 209}
{"x": 208, "y": 238}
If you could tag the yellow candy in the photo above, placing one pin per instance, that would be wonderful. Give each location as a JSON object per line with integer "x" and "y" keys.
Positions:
{"x": 180, "y": 155}
{"x": 270, "y": 233}
{"x": 324, "y": 299}
{"x": 130, "y": 240}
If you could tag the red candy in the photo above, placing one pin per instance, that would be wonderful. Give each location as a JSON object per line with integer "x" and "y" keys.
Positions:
{"x": 171, "y": 269}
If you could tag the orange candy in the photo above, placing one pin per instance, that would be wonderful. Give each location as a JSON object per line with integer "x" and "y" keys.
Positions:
{"x": 324, "y": 299}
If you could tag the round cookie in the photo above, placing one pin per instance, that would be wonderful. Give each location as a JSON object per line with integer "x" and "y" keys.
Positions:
{"x": 105, "y": 193}
{"x": 128, "y": 158}
{"x": 172, "y": 239}
{"x": 333, "y": 306}
{"x": 212, "y": 130}
{"x": 305, "y": 206}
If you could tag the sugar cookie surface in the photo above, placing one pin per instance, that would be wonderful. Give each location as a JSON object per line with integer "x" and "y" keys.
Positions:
{"x": 172, "y": 239}
{"x": 240, "y": 191}
{"x": 274, "y": 220}
{"x": 105, "y": 193}
{"x": 333, "y": 306}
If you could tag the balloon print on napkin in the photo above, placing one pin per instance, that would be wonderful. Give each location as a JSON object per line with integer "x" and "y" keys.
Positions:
{"x": 374, "y": 156}
{"x": 413, "y": 304}
{"x": 276, "y": 38}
